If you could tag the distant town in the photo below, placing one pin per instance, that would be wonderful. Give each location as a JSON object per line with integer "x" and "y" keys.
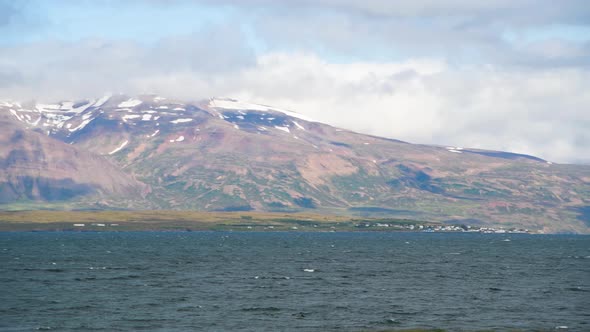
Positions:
{"x": 446, "y": 228}
{"x": 385, "y": 227}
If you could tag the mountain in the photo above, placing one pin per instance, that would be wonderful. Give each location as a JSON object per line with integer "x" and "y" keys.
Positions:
{"x": 227, "y": 155}
{"x": 35, "y": 167}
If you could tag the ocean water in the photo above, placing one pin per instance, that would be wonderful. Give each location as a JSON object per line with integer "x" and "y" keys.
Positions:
{"x": 229, "y": 281}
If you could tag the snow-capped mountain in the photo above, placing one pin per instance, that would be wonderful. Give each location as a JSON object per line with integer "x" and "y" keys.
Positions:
{"x": 224, "y": 154}
{"x": 65, "y": 119}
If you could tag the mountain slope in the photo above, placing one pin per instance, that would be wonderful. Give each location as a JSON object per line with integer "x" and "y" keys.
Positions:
{"x": 35, "y": 167}
{"x": 227, "y": 155}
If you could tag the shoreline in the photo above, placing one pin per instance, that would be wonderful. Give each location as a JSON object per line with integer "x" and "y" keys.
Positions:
{"x": 101, "y": 221}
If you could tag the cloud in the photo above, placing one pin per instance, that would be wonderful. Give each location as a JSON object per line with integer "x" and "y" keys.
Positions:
{"x": 91, "y": 67}
{"x": 423, "y": 71}
{"x": 422, "y": 100}
{"x": 508, "y": 12}
{"x": 426, "y": 101}
{"x": 462, "y": 31}
{"x": 469, "y": 13}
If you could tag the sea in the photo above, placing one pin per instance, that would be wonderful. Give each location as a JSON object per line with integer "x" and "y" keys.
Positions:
{"x": 293, "y": 281}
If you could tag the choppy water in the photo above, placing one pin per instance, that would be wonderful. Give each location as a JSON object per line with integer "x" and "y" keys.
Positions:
{"x": 212, "y": 281}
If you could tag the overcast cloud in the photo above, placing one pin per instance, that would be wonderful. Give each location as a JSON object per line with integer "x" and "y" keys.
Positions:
{"x": 509, "y": 75}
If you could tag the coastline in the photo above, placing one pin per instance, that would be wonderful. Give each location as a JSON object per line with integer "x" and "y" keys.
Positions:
{"x": 163, "y": 220}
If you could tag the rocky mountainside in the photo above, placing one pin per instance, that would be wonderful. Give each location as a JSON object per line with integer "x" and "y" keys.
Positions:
{"x": 35, "y": 167}
{"x": 225, "y": 155}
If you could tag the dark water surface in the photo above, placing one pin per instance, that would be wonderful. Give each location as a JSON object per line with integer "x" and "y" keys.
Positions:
{"x": 224, "y": 281}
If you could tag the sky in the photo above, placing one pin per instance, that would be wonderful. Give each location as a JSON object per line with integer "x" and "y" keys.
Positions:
{"x": 510, "y": 75}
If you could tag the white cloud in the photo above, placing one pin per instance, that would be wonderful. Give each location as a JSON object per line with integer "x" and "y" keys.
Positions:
{"x": 516, "y": 12}
{"x": 543, "y": 112}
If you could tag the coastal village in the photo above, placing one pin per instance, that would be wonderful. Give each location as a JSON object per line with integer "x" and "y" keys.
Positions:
{"x": 379, "y": 226}
{"x": 446, "y": 228}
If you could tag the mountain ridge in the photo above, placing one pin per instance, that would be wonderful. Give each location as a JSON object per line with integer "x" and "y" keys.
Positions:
{"x": 225, "y": 155}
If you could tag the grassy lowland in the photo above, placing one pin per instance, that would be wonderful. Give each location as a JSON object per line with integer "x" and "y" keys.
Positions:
{"x": 188, "y": 221}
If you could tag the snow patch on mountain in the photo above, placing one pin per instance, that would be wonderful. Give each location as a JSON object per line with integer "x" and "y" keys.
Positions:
{"x": 67, "y": 105}
{"x": 57, "y": 120}
{"x": 101, "y": 101}
{"x": 47, "y": 107}
{"x": 130, "y": 103}
{"x": 181, "y": 121}
{"x": 454, "y": 149}
{"x": 130, "y": 116}
{"x": 81, "y": 125}
{"x": 15, "y": 114}
{"x": 36, "y": 122}
{"x": 232, "y": 104}
{"x": 298, "y": 125}
{"x": 119, "y": 148}
{"x": 7, "y": 103}
{"x": 285, "y": 129}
